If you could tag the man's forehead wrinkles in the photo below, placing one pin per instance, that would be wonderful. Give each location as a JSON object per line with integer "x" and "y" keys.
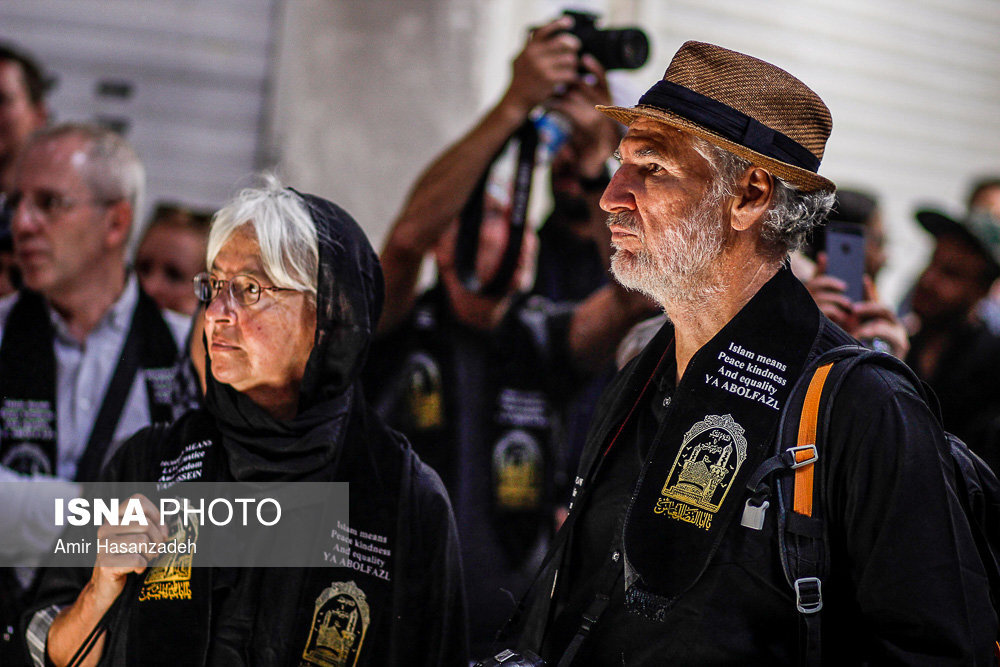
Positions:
{"x": 641, "y": 146}
{"x": 646, "y": 144}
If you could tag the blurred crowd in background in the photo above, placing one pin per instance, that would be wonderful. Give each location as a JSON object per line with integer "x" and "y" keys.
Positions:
{"x": 494, "y": 390}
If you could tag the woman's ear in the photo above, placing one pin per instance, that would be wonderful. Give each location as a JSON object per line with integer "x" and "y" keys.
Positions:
{"x": 752, "y": 200}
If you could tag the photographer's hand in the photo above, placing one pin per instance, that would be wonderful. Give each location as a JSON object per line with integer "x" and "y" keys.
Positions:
{"x": 547, "y": 62}
{"x": 595, "y": 136}
{"x": 828, "y": 293}
{"x": 868, "y": 320}
{"x": 878, "y": 321}
{"x": 546, "y": 65}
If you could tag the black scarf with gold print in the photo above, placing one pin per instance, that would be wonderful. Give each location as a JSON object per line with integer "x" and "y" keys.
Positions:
{"x": 319, "y": 616}
{"x": 721, "y": 421}
{"x": 330, "y": 438}
{"x": 28, "y": 385}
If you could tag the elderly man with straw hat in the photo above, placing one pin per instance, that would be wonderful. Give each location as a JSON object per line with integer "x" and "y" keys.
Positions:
{"x": 671, "y": 554}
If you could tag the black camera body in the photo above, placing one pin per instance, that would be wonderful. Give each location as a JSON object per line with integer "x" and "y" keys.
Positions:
{"x": 614, "y": 48}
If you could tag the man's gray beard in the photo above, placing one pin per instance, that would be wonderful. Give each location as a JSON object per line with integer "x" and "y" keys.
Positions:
{"x": 674, "y": 266}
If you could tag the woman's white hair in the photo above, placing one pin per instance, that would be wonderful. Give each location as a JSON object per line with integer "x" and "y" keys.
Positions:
{"x": 289, "y": 246}
{"x": 793, "y": 212}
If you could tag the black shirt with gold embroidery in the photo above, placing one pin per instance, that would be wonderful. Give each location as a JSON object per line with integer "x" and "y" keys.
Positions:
{"x": 699, "y": 588}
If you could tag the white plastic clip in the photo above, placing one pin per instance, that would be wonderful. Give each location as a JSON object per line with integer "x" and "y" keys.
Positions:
{"x": 753, "y": 515}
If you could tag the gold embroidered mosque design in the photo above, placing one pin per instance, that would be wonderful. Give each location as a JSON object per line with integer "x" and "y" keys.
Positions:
{"x": 340, "y": 622}
{"x": 709, "y": 458}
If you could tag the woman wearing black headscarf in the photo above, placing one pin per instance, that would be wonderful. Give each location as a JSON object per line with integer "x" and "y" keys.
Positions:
{"x": 294, "y": 293}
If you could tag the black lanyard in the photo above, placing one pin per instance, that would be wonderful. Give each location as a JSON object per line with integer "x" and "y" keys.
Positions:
{"x": 471, "y": 218}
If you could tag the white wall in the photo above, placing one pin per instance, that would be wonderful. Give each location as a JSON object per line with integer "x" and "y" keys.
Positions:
{"x": 195, "y": 70}
{"x": 366, "y": 93}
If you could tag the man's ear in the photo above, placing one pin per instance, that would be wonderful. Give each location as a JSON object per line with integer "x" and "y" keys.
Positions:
{"x": 754, "y": 190}
{"x": 41, "y": 112}
{"x": 120, "y": 221}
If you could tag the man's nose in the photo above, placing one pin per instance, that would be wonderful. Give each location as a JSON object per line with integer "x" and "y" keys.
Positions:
{"x": 155, "y": 284}
{"x": 619, "y": 193}
{"x": 24, "y": 217}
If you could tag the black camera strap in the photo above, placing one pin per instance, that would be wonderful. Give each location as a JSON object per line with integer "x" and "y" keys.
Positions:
{"x": 471, "y": 218}
{"x": 613, "y": 568}
{"x": 90, "y": 641}
{"x": 610, "y": 576}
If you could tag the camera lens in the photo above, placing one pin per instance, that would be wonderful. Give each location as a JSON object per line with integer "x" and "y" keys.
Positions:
{"x": 627, "y": 48}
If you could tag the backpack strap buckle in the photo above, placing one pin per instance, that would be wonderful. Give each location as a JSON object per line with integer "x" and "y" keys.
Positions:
{"x": 802, "y": 455}
{"x": 808, "y": 595}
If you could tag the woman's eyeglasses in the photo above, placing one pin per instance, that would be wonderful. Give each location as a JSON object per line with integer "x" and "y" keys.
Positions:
{"x": 245, "y": 290}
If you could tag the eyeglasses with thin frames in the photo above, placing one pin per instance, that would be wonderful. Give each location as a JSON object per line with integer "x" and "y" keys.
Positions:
{"x": 244, "y": 290}
{"x": 51, "y": 204}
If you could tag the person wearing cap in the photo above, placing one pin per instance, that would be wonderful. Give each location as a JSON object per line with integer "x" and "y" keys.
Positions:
{"x": 953, "y": 350}
{"x": 654, "y": 566}
{"x": 984, "y": 193}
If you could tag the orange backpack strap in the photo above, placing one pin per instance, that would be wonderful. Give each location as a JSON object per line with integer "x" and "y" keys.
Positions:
{"x": 805, "y": 452}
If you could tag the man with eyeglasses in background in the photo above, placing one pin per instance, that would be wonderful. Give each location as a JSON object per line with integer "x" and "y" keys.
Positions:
{"x": 86, "y": 358}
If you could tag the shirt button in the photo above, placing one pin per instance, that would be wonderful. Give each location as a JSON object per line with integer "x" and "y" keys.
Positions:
{"x": 666, "y": 401}
{"x": 615, "y": 556}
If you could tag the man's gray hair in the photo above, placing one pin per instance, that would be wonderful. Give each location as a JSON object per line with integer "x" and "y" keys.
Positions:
{"x": 112, "y": 171}
{"x": 289, "y": 245}
{"x": 793, "y": 213}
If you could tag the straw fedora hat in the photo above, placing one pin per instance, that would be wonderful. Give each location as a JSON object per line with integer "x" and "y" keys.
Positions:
{"x": 744, "y": 105}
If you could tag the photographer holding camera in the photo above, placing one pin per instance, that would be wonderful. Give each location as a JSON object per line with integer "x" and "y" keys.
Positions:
{"x": 546, "y": 71}
{"x": 476, "y": 381}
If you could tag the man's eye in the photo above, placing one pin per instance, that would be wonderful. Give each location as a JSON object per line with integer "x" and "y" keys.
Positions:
{"x": 251, "y": 288}
{"x": 47, "y": 203}
{"x": 174, "y": 275}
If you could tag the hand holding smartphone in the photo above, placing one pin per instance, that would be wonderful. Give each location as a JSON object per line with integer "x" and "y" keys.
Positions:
{"x": 845, "y": 257}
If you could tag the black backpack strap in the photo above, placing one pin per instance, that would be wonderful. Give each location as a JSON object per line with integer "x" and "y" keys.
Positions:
{"x": 795, "y": 469}
{"x": 803, "y": 532}
{"x": 803, "y": 539}
{"x": 802, "y": 528}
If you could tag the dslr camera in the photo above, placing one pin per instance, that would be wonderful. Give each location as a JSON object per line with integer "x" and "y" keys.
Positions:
{"x": 614, "y": 48}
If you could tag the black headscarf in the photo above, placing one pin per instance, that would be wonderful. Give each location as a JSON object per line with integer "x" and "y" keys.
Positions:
{"x": 349, "y": 296}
